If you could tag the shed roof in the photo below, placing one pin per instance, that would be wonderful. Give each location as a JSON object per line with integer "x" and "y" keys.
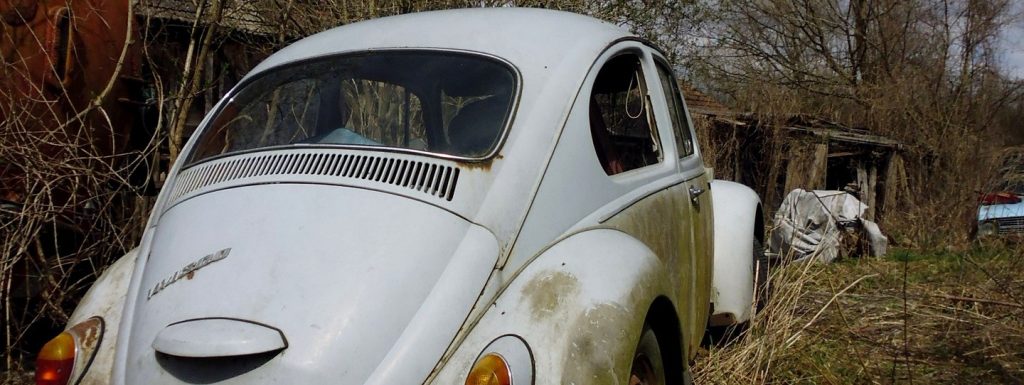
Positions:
{"x": 836, "y": 131}
{"x": 247, "y": 16}
{"x": 700, "y": 103}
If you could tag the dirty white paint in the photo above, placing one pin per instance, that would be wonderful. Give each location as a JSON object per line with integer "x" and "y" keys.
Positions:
{"x": 105, "y": 299}
{"x": 735, "y": 208}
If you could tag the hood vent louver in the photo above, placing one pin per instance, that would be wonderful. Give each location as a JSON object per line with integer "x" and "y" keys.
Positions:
{"x": 430, "y": 178}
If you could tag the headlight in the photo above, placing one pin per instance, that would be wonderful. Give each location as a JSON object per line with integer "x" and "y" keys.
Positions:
{"x": 65, "y": 358}
{"x": 987, "y": 228}
{"x": 506, "y": 361}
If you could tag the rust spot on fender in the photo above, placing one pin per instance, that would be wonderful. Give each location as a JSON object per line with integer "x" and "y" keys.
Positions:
{"x": 89, "y": 338}
{"x": 548, "y": 291}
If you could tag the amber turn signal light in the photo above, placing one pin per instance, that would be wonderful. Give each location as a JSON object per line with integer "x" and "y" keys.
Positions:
{"x": 56, "y": 361}
{"x": 490, "y": 369}
{"x": 66, "y": 358}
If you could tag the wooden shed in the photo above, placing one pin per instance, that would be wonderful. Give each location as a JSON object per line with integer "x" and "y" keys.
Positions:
{"x": 777, "y": 154}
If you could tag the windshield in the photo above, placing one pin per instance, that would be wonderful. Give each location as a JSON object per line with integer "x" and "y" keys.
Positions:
{"x": 440, "y": 102}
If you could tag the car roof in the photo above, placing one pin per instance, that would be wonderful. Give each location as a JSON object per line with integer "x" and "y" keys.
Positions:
{"x": 531, "y": 39}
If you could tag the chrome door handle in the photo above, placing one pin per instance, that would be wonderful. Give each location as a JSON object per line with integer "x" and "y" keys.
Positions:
{"x": 695, "y": 193}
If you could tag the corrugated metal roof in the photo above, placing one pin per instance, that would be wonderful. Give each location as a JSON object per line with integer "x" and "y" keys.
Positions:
{"x": 700, "y": 103}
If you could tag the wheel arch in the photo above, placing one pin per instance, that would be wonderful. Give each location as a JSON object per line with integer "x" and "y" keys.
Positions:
{"x": 663, "y": 319}
{"x": 738, "y": 221}
{"x": 580, "y": 306}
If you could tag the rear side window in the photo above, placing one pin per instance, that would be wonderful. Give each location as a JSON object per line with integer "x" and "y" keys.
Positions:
{"x": 674, "y": 101}
{"x": 621, "y": 122}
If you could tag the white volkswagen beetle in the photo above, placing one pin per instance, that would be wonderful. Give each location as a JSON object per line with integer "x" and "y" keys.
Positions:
{"x": 487, "y": 196}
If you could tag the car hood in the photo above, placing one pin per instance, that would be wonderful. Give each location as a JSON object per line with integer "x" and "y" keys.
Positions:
{"x": 303, "y": 283}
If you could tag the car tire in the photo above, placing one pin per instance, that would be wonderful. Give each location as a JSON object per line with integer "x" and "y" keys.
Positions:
{"x": 648, "y": 368}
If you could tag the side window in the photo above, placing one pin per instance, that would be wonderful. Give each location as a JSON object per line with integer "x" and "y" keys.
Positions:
{"x": 621, "y": 122}
{"x": 674, "y": 101}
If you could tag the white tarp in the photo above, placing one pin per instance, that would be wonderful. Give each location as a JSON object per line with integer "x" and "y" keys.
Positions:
{"x": 812, "y": 224}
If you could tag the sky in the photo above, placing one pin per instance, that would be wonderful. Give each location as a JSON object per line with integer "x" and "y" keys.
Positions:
{"x": 1012, "y": 44}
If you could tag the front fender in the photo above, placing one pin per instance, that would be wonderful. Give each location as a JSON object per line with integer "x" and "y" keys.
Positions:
{"x": 736, "y": 209}
{"x": 580, "y": 307}
{"x": 105, "y": 299}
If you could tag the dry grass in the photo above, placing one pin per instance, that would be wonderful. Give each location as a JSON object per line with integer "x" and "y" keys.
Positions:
{"x": 925, "y": 318}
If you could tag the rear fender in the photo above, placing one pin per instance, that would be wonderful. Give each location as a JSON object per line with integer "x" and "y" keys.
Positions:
{"x": 737, "y": 210}
{"x": 580, "y": 307}
{"x": 105, "y": 299}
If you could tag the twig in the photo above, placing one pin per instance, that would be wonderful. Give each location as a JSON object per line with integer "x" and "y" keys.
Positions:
{"x": 792, "y": 339}
{"x": 978, "y": 300}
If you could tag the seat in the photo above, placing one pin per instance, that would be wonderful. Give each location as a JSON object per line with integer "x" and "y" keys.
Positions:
{"x": 477, "y": 126}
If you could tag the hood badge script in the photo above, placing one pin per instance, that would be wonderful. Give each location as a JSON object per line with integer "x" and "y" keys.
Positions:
{"x": 188, "y": 271}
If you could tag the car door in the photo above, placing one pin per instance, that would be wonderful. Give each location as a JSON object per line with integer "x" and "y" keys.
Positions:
{"x": 696, "y": 188}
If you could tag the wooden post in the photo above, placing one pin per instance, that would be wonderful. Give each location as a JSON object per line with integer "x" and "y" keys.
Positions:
{"x": 819, "y": 169}
{"x": 807, "y": 169}
{"x": 862, "y": 179}
{"x": 795, "y": 178}
{"x": 895, "y": 183}
{"x": 871, "y": 196}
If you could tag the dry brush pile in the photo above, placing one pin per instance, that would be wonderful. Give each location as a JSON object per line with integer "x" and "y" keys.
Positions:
{"x": 69, "y": 198}
{"x": 923, "y": 72}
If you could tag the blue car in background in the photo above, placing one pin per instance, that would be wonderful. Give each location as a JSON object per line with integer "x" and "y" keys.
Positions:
{"x": 1001, "y": 213}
